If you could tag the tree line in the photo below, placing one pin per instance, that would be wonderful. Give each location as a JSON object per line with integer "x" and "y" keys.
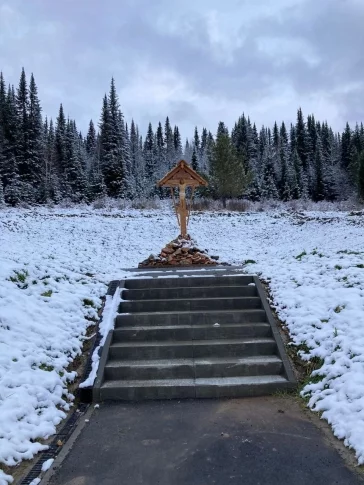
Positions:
{"x": 43, "y": 161}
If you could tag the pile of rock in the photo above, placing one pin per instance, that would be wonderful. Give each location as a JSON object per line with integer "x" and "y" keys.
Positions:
{"x": 179, "y": 252}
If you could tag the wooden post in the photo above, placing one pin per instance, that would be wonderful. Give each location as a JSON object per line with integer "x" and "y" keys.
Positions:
{"x": 183, "y": 209}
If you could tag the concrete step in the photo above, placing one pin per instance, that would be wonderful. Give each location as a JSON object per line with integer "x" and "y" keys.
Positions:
{"x": 191, "y": 332}
{"x": 193, "y": 368}
{"x": 195, "y": 348}
{"x": 191, "y": 318}
{"x": 194, "y": 334}
{"x": 134, "y": 390}
{"x": 188, "y": 281}
{"x": 189, "y": 292}
{"x": 190, "y": 304}
{"x": 149, "y": 369}
{"x": 150, "y": 389}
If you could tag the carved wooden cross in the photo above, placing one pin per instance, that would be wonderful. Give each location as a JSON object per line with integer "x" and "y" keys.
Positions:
{"x": 182, "y": 176}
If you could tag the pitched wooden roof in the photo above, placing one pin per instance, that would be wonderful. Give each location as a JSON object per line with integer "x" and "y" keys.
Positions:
{"x": 182, "y": 172}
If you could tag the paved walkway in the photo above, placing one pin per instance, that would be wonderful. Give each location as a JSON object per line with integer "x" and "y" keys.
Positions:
{"x": 259, "y": 441}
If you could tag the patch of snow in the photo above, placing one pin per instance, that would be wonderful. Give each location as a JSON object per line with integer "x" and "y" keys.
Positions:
{"x": 5, "y": 479}
{"x": 35, "y": 481}
{"x": 47, "y": 464}
{"x": 55, "y": 266}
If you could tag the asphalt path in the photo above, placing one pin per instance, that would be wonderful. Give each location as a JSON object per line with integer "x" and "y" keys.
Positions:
{"x": 255, "y": 441}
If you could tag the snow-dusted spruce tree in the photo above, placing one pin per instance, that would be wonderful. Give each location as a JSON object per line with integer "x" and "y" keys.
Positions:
{"x": 10, "y": 173}
{"x": 74, "y": 180}
{"x": 361, "y": 176}
{"x": 269, "y": 188}
{"x": 60, "y": 148}
{"x": 96, "y": 184}
{"x": 51, "y": 190}
{"x": 187, "y": 152}
{"x": 196, "y": 151}
{"x": 150, "y": 164}
{"x": 288, "y": 180}
{"x": 2, "y": 128}
{"x": 161, "y": 165}
{"x": 112, "y": 144}
{"x": 177, "y": 144}
{"x": 169, "y": 146}
{"x": 204, "y": 162}
{"x": 229, "y": 176}
{"x": 2, "y": 199}
{"x": 35, "y": 142}
{"x": 276, "y": 154}
{"x": 128, "y": 188}
{"x": 22, "y": 145}
{"x": 137, "y": 161}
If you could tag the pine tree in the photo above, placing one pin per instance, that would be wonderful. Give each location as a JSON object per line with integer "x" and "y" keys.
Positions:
{"x": 35, "y": 143}
{"x": 2, "y": 199}
{"x": 113, "y": 145}
{"x": 137, "y": 162}
{"x": 60, "y": 144}
{"x": 288, "y": 183}
{"x": 187, "y": 154}
{"x": 204, "y": 162}
{"x": 96, "y": 184}
{"x": 210, "y": 144}
{"x": 229, "y": 178}
{"x": 319, "y": 187}
{"x": 160, "y": 152}
{"x": 10, "y": 173}
{"x": 169, "y": 145}
{"x": 161, "y": 163}
{"x": 91, "y": 140}
{"x": 194, "y": 159}
{"x": 74, "y": 181}
{"x": 128, "y": 185}
{"x": 361, "y": 176}
{"x": 346, "y": 146}
{"x": 2, "y": 127}
{"x": 22, "y": 107}
{"x": 301, "y": 140}
{"x": 50, "y": 189}
{"x": 239, "y": 137}
{"x": 177, "y": 145}
{"x": 196, "y": 151}
{"x": 268, "y": 183}
{"x": 151, "y": 177}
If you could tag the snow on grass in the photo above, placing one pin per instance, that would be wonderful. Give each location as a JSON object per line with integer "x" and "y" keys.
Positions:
{"x": 55, "y": 266}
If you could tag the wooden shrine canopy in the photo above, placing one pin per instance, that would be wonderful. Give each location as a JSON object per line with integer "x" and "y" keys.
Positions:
{"x": 182, "y": 174}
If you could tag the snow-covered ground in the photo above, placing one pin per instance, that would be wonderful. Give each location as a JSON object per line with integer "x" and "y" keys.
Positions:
{"x": 55, "y": 265}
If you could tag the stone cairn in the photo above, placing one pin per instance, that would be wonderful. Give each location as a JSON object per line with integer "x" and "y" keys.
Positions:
{"x": 179, "y": 252}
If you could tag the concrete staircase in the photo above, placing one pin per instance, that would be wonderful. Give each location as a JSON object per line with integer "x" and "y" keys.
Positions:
{"x": 193, "y": 337}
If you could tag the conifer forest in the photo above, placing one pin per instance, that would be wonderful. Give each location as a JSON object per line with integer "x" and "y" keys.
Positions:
{"x": 47, "y": 161}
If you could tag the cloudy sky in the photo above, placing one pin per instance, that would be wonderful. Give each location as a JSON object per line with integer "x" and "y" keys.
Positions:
{"x": 197, "y": 61}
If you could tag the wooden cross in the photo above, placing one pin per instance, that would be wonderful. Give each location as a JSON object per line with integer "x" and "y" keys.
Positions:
{"x": 182, "y": 176}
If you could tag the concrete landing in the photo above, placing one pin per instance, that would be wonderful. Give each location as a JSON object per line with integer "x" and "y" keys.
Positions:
{"x": 251, "y": 441}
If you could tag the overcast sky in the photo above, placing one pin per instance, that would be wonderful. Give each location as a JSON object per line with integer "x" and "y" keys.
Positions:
{"x": 197, "y": 61}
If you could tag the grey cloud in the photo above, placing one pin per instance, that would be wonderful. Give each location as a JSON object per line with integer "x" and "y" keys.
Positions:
{"x": 75, "y": 47}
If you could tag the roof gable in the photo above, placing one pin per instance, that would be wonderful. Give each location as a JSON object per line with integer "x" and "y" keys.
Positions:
{"x": 181, "y": 172}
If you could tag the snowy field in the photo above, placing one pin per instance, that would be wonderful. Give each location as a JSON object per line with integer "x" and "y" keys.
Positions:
{"x": 55, "y": 265}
